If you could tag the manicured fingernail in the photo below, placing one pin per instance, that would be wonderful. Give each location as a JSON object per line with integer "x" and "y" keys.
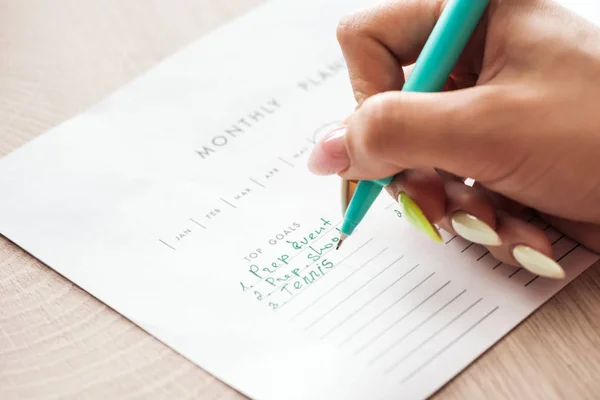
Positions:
{"x": 329, "y": 155}
{"x": 474, "y": 230}
{"x": 415, "y": 216}
{"x": 537, "y": 263}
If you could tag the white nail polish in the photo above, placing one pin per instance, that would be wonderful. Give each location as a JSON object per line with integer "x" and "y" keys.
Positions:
{"x": 537, "y": 263}
{"x": 474, "y": 230}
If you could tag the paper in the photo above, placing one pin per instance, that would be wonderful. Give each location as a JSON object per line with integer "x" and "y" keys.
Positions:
{"x": 183, "y": 202}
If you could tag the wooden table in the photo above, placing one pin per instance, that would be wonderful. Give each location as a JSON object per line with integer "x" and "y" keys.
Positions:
{"x": 56, "y": 341}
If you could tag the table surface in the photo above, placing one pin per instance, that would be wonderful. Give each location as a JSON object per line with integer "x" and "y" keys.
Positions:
{"x": 57, "y": 341}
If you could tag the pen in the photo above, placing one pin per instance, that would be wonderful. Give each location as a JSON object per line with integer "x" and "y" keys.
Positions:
{"x": 432, "y": 69}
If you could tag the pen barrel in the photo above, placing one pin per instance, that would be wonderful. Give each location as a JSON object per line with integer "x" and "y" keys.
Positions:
{"x": 445, "y": 45}
{"x": 367, "y": 191}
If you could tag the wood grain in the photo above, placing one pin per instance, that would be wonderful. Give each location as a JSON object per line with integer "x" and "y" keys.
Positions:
{"x": 56, "y": 341}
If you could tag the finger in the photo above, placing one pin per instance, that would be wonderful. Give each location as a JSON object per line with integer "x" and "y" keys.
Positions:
{"x": 422, "y": 198}
{"x": 446, "y": 176}
{"x": 378, "y": 41}
{"x": 463, "y": 132}
{"x": 526, "y": 246}
{"x": 585, "y": 233}
{"x": 502, "y": 202}
{"x": 470, "y": 214}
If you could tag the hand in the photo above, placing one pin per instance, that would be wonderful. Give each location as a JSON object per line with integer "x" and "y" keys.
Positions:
{"x": 520, "y": 115}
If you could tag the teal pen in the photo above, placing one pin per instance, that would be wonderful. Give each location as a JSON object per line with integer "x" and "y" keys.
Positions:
{"x": 432, "y": 69}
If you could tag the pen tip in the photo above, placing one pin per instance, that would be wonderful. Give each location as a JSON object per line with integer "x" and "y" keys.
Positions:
{"x": 342, "y": 238}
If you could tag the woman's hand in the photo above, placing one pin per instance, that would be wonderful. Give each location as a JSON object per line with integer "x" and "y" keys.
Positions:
{"x": 520, "y": 115}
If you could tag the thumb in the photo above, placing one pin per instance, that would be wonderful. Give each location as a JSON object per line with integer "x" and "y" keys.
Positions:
{"x": 471, "y": 132}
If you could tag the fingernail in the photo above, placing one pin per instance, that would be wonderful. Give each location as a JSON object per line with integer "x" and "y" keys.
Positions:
{"x": 415, "y": 216}
{"x": 474, "y": 230}
{"x": 537, "y": 263}
{"x": 329, "y": 155}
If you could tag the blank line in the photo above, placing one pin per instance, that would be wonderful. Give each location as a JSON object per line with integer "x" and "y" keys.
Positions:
{"x": 370, "y": 301}
{"x": 197, "y": 223}
{"x": 467, "y": 248}
{"x": 166, "y": 244}
{"x": 448, "y": 345}
{"x": 326, "y": 293}
{"x": 226, "y": 202}
{"x": 484, "y": 254}
{"x": 258, "y": 183}
{"x": 357, "y": 290}
{"x": 386, "y": 309}
{"x": 424, "y": 342}
{"x": 563, "y": 256}
{"x": 404, "y": 316}
{"x": 452, "y": 238}
{"x": 287, "y": 162}
{"x": 397, "y": 342}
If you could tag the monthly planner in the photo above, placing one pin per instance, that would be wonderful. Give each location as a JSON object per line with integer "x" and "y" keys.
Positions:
{"x": 183, "y": 201}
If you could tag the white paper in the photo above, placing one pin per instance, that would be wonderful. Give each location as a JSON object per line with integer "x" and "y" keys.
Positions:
{"x": 121, "y": 201}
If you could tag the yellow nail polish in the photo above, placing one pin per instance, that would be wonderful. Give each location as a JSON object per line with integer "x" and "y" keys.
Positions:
{"x": 415, "y": 216}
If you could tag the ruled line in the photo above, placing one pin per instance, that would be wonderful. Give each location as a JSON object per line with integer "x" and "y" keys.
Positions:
{"x": 497, "y": 265}
{"x": 337, "y": 284}
{"x": 531, "y": 281}
{"x": 398, "y": 341}
{"x": 197, "y": 223}
{"x": 370, "y": 301}
{"x": 166, "y": 244}
{"x": 483, "y": 255}
{"x": 357, "y": 290}
{"x": 514, "y": 273}
{"x": 258, "y": 183}
{"x": 226, "y": 202}
{"x": 424, "y": 342}
{"x": 403, "y": 317}
{"x": 557, "y": 240}
{"x": 390, "y": 205}
{"x": 452, "y": 238}
{"x": 436, "y": 355}
{"x": 287, "y": 162}
{"x": 568, "y": 252}
{"x": 467, "y": 248}
{"x": 386, "y": 309}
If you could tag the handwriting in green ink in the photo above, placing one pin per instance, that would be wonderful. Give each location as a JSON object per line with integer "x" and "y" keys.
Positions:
{"x": 306, "y": 240}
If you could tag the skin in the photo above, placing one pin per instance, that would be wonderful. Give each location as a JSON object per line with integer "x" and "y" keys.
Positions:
{"x": 520, "y": 114}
